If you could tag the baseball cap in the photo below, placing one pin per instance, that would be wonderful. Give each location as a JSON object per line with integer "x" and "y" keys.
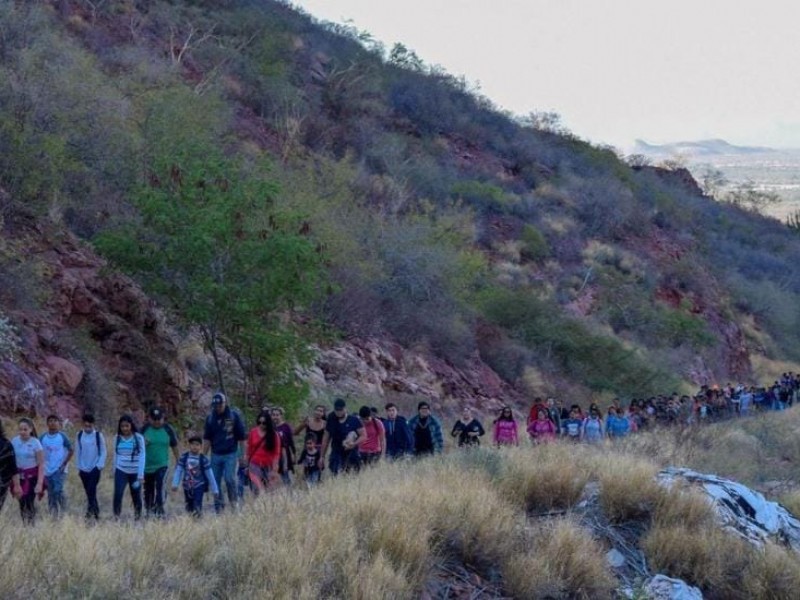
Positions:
{"x": 156, "y": 413}
{"x": 339, "y": 404}
{"x": 218, "y": 398}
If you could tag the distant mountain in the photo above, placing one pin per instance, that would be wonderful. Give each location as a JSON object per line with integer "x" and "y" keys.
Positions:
{"x": 713, "y": 147}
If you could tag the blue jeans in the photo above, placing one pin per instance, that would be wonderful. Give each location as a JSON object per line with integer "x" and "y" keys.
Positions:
{"x": 225, "y": 467}
{"x": 194, "y": 501}
{"x": 121, "y": 481}
{"x": 344, "y": 461}
{"x": 56, "y": 500}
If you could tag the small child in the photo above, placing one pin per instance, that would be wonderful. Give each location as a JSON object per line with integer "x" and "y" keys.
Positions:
{"x": 309, "y": 460}
{"x": 194, "y": 470}
{"x": 572, "y": 427}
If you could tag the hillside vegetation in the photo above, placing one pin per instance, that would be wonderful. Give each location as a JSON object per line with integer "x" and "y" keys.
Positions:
{"x": 274, "y": 181}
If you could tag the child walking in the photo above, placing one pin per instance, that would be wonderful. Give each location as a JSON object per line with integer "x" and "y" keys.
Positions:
{"x": 194, "y": 472}
{"x": 57, "y": 454}
{"x": 90, "y": 446}
{"x": 309, "y": 459}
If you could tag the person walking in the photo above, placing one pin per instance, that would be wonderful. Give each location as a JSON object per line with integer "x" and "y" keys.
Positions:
{"x": 467, "y": 429}
{"x": 264, "y": 453}
{"x": 90, "y": 447}
{"x": 398, "y": 437}
{"x": 286, "y": 433}
{"x": 9, "y": 476}
{"x": 29, "y": 456}
{"x": 224, "y": 436}
{"x": 314, "y": 425}
{"x": 159, "y": 439}
{"x": 193, "y": 472}
{"x": 374, "y": 447}
{"x": 57, "y": 454}
{"x": 129, "y": 461}
{"x": 343, "y": 435}
{"x": 505, "y": 428}
{"x": 426, "y": 432}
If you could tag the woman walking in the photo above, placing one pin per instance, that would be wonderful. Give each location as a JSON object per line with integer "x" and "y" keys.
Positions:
{"x": 264, "y": 453}
{"x": 29, "y": 456}
{"x": 505, "y": 429}
{"x": 129, "y": 459}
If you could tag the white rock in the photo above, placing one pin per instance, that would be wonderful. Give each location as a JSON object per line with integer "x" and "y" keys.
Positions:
{"x": 615, "y": 559}
{"x": 662, "y": 587}
{"x": 741, "y": 509}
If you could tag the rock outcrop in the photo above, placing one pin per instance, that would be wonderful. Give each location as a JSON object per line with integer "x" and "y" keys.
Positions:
{"x": 741, "y": 509}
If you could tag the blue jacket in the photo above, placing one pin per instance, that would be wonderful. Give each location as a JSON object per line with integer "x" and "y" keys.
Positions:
{"x": 436, "y": 432}
{"x": 225, "y": 431}
{"x": 398, "y": 437}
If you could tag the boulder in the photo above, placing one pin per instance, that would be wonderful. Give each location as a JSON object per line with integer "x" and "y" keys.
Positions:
{"x": 741, "y": 509}
{"x": 662, "y": 587}
{"x": 64, "y": 376}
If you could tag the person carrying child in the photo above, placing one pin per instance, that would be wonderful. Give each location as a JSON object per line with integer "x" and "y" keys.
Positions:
{"x": 194, "y": 473}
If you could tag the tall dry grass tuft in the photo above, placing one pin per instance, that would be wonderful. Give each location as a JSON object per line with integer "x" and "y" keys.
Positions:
{"x": 562, "y": 561}
{"x": 628, "y": 488}
{"x": 549, "y": 478}
{"x": 683, "y": 505}
{"x": 708, "y": 557}
{"x": 773, "y": 573}
{"x": 791, "y": 501}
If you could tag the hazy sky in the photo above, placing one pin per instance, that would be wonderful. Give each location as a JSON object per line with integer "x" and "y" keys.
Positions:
{"x": 615, "y": 70}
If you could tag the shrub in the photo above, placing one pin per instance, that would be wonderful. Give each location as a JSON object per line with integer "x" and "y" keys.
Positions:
{"x": 709, "y": 558}
{"x": 563, "y": 561}
{"x": 9, "y": 339}
{"x": 535, "y": 247}
{"x": 629, "y": 490}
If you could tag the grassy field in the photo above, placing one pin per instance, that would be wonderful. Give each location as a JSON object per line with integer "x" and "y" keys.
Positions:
{"x": 518, "y": 517}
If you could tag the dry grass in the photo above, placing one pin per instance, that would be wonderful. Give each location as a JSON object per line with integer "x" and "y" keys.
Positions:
{"x": 378, "y": 535}
{"x": 792, "y": 502}
{"x": 549, "y": 478}
{"x": 563, "y": 561}
{"x": 707, "y": 557}
{"x": 628, "y": 488}
{"x": 773, "y": 573}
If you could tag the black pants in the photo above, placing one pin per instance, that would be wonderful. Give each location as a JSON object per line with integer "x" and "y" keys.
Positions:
{"x": 27, "y": 505}
{"x": 154, "y": 492}
{"x": 90, "y": 479}
{"x": 4, "y": 487}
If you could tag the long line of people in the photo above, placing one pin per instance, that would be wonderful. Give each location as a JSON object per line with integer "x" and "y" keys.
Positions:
{"x": 227, "y": 455}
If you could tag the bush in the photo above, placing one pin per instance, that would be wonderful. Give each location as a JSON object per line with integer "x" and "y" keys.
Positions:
{"x": 535, "y": 247}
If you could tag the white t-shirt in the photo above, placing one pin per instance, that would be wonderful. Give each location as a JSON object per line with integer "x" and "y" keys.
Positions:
{"x": 26, "y": 451}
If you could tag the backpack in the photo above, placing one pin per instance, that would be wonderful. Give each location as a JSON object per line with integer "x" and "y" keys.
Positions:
{"x": 96, "y": 439}
{"x": 204, "y": 465}
{"x": 173, "y": 437}
{"x": 136, "y": 448}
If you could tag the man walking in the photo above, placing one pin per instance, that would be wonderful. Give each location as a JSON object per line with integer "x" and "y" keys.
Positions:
{"x": 159, "y": 438}
{"x": 224, "y": 435}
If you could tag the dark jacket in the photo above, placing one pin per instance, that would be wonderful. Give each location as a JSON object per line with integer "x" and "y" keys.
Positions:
{"x": 224, "y": 431}
{"x": 398, "y": 437}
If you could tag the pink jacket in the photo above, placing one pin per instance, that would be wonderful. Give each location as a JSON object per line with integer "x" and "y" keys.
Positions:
{"x": 505, "y": 432}
{"x": 543, "y": 431}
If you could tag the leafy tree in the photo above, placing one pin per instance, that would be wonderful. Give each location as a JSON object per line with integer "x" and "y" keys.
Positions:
{"x": 212, "y": 246}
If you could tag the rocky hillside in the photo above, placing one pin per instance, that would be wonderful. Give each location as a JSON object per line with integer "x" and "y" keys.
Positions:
{"x": 269, "y": 184}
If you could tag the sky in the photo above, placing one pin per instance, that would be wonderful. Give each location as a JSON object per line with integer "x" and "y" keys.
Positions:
{"x": 615, "y": 70}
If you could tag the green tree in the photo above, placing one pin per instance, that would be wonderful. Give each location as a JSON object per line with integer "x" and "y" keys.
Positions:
{"x": 212, "y": 245}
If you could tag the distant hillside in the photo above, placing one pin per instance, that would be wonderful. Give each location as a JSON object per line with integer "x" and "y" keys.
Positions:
{"x": 698, "y": 149}
{"x": 276, "y": 185}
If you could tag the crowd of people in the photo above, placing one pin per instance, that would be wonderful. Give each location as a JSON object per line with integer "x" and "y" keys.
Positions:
{"x": 227, "y": 455}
